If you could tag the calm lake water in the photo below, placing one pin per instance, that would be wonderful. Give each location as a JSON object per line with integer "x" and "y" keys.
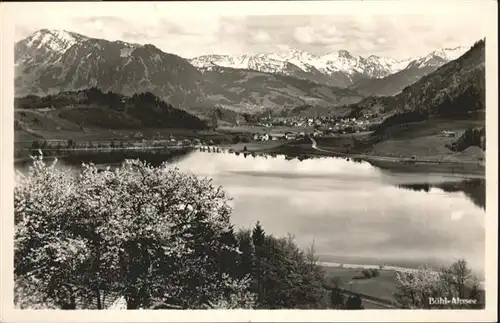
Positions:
{"x": 355, "y": 213}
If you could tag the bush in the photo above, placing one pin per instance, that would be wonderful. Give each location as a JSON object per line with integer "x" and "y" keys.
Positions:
{"x": 367, "y": 273}
{"x": 354, "y": 303}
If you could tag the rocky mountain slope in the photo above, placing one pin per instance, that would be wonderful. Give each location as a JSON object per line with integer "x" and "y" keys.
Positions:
{"x": 454, "y": 91}
{"x": 50, "y": 61}
{"x": 416, "y": 68}
{"x": 257, "y": 91}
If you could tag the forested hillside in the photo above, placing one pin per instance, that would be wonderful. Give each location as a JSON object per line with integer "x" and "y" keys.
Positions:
{"x": 94, "y": 108}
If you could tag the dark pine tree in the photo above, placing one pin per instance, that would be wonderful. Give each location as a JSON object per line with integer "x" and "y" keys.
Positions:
{"x": 246, "y": 261}
{"x": 229, "y": 257}
{"x": 258, "y": 239}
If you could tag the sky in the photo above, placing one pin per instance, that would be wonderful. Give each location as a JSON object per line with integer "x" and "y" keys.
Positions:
{"x": 397, "y": 29}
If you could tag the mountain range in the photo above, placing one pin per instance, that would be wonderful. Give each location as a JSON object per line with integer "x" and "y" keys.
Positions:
{"x": 340, "y": 68}
{"x": 50, "y": 61}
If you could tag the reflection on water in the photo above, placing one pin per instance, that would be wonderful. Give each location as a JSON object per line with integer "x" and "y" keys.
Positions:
{"x": 353, "y": 211}
{"x": 474, "y": 189}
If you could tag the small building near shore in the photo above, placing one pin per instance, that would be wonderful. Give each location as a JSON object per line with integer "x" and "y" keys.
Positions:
{"x": 261, "y": 137}
{"x": 448, "y": 133}
{"x": 276, "y": 136}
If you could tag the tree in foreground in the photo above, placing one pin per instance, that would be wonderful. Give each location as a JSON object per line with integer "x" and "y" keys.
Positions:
{"x": 150, "y": 234}
{"x": 283, "y": 275}
{"x": 150, "y": 237}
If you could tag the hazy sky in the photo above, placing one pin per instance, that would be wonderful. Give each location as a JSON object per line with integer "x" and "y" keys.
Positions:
{"x": 398, "y": 29}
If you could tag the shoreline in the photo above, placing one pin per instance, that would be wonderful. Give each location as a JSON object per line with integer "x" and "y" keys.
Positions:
{"x": 466, "y": 168}
{"x": 426, "y": 165}
{"x": 380, "y": 160}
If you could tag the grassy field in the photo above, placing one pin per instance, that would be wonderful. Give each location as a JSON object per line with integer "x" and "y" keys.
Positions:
{"x": 423, "y": 139}
{"x": 432, "y": 127}
{"x": 381, "y": 287}
{"x": 428, "y": 147}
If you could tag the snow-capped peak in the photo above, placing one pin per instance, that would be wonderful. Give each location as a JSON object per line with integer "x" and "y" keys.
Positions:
{"x": 450, "y": 54}
{"x": 292, "y": 54}
{"x": 339, "y": 61}
{"x": 53, "y": 39}
{"x": 256, "y": 62}
{"x": 437, "y": 57}
{"x": 237, "y": 61}
{"x": 344, "y": 61}
{"x": 298, "y": 58}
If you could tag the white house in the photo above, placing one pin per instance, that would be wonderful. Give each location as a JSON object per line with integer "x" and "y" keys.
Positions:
{"x": 448, "y": 133}
{"x": 276, "y": 135}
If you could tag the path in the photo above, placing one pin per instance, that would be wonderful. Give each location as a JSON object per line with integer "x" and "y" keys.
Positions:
{"x": 315, "y": 146}
{"x": 366, "y": 300}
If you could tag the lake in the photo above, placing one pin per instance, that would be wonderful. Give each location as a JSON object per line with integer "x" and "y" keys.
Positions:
{"x": 354, "y": 212}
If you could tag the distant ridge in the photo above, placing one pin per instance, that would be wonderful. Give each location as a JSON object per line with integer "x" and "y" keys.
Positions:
{"x": 77, "y": 110}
